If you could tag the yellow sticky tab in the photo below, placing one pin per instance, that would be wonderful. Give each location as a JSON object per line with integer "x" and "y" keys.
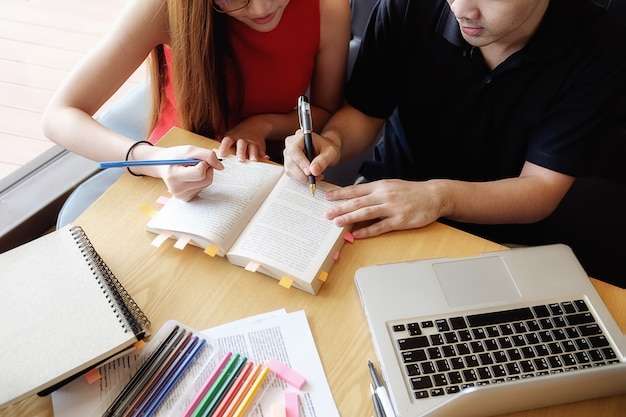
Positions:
{"x": 285, "y": 282}
{"x": 93, "y": 376}
{"x": 211, "y": 250}
{"x": 139, "y": 344}
{"x": 146, "y": 209}
{"x": 323, "y": 276}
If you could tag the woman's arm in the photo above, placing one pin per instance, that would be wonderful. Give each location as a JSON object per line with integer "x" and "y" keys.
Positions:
{"x": 68, "y": 119}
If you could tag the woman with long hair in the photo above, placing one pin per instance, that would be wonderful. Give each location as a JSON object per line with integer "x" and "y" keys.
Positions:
{"x": 226, "y": 69}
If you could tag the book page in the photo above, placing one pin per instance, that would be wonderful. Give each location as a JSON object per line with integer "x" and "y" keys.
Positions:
{"x": 220, "y": 212}
{"x": 285, "y": 336}
{"x": 289, "y": 232}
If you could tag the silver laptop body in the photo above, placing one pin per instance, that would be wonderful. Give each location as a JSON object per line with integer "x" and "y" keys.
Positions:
{"x": 418, "y": 304}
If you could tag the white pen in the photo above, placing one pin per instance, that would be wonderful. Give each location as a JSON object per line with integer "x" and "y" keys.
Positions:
{"x": 381, "y": 391}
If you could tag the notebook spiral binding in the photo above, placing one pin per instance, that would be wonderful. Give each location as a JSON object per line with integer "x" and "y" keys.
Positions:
{"x": 127, "y": 310}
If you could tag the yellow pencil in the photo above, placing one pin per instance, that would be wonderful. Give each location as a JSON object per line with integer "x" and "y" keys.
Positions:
{"x": 251, "y": 392}
{"x": 234, "y": 404}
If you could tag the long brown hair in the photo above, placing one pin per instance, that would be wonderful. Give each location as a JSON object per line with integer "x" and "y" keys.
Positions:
{"x": 199, "y": 49}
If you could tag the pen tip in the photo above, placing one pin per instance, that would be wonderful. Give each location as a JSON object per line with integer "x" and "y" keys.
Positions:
{"x": 312, "y": 189}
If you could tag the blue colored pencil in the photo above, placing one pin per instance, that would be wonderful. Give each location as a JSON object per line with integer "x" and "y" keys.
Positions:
{"x": 147, "y": 162}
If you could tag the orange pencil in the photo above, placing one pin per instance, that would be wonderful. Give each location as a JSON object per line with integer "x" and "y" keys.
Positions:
{"x": 251, "y": 392}
{"x": 232, "y": 391}
{"x": 245, "y": 387}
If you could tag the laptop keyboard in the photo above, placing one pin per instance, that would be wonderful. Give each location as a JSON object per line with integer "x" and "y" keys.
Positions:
{"x": 443, "y": 356}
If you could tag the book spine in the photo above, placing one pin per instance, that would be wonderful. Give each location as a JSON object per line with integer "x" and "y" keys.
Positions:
{"x": 128, "y": 312}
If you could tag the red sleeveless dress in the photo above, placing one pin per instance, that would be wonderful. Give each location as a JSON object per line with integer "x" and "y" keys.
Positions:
{"x": 276, "y": 67}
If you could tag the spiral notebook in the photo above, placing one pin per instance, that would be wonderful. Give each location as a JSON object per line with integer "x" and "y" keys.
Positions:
{"x": 62, "y": 313}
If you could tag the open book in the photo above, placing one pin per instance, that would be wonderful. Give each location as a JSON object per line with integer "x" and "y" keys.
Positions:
{"x": 259, "y": 219}
{"x": 63, "y": 313}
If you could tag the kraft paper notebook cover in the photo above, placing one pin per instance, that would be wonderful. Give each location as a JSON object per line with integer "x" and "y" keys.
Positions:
{"x": 260, "y": 219}
{"x": 62, "y": 312}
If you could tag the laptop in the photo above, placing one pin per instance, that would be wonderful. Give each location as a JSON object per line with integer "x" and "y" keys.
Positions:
{"x": 490, "y": 334}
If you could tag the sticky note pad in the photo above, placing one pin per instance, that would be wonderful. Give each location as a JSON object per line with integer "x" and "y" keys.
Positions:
{"x": 285, "y": 282}
{"x": 93, "y": 376}
{"x": 348, "y": 236}
{"x": 292, "y": 404}
{"x": 211, "y": 250}
{"x": 323, "y": 276}
{"x": 286, "y": 373}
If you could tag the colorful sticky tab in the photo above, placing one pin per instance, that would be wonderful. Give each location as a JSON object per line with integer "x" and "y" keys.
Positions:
{"x": 93, "y": 375}
{"x": 139, "y": 344}
{"x": 146, "y": 209}
{"x": 286, "y": 373}
{"x": 158, "y": 241}
{"x": 323, "y": 276}
{"x": 162, "y": 200}
{"x": 252, "y": 266}
{"x": 292, "y": 404}
{"x": 211, "y": 250}
{"x": 336, "y": 255}
{"x": 278, "y": 410}
{"x": 348, "y": 236}
{"x": 285, "y": 282}
{"x": 182, "y": 242}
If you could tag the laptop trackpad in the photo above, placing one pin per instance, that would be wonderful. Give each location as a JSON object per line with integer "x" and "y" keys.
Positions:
{"x": 476, "y": 281}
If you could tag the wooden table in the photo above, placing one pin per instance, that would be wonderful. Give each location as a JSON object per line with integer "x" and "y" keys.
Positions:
{"x": 202, "y": 292}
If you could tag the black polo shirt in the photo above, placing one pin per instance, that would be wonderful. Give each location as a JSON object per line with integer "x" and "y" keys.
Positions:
{"x": 449, "y": 116}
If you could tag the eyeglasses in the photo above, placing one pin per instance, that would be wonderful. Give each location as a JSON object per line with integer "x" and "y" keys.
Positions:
{"x": 227, "y": 6}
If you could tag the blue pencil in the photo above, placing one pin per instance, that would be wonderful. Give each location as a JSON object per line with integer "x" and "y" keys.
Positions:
{"x": 146, "y": 162}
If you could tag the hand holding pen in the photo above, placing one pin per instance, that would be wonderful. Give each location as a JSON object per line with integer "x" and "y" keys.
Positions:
{"x": 186, "y": 170}
{"x": 306, "y": 124}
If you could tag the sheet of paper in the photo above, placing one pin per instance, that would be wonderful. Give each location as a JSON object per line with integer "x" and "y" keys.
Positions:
{"x": 277, "y": 334}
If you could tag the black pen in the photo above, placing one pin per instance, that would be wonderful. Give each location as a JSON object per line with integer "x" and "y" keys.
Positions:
{"x": 304, "y": 116}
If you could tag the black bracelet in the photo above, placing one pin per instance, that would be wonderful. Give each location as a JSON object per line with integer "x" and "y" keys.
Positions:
{"x": 130, "y": 150}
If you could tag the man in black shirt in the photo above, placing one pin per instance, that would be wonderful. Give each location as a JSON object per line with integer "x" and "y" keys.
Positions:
{"x": 492, "y": 109}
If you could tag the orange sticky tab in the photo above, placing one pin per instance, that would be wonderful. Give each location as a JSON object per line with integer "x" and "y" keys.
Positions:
{"x": 348, "y": 236}
{"x": 93, "y": 376}
{"x": 323, "y": 276}
{"x": 252, "y": 266}
{"x": 157, "y": 241}
{"x": 211, "y": 250}
{"x": 336, "y": 255}
{"x": 285, "y": 282}
{"x": 146, "y": 209}
{"x": 139, "y": 344}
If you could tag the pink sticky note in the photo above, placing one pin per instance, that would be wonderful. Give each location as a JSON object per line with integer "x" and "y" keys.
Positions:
{"x": 292, "y": 404}
{"x": 286, "y": 373}
{"x": 348, "y": 236}
{"x": 336, "y": 255}
{"x": 252, "y": 266}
